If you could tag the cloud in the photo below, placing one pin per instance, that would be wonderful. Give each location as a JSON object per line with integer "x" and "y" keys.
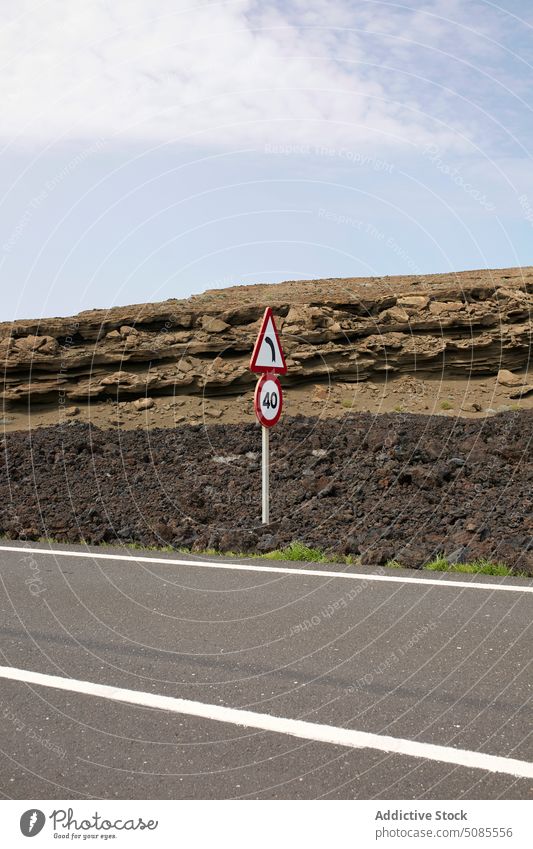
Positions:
{"x": 240, "y": 73}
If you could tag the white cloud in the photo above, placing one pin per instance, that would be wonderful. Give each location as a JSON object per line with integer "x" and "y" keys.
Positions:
{"x": 236, "y": 73}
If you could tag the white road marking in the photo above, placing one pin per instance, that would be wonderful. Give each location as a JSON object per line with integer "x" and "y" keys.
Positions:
{"x": 282, "y": 570}
{"x": 279, "y": 725}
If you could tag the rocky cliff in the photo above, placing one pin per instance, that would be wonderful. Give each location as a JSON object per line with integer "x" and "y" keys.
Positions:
{"x": 472, "y": 323}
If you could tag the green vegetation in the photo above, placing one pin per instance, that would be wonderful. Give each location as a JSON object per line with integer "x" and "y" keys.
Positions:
{"x": 476, "y": 567}
{"x": 349, "y": 559}
{"x": 440, "y": 564}
{"x": 297, "y": 551}
{"x": 445, "y": 405}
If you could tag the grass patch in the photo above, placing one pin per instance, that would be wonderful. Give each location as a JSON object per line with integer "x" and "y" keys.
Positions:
{"x": 297, "y": 551}
{"x": 440, "y": 564}
{"x": 294, "y": 551}
{"x": 349, "y": 559}
{"x": 476, "y": 567}
{"x": 445, "y": 405}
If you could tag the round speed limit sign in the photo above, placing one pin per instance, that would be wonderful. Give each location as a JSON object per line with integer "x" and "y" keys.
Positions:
{"x": 268, "y": 400}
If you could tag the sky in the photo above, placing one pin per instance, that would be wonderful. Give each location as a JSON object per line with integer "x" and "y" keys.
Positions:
{"x": 153, "y": 150}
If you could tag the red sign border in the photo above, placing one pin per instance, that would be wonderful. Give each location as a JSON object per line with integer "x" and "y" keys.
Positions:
{"x": 257, "y": 394}
{"x": 255, "y": 353}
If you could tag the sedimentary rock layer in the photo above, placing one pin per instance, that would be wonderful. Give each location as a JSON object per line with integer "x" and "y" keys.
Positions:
{"x": 351, "y": 329}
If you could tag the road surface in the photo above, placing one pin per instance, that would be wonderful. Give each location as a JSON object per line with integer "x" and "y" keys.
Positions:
{"x": 129, "y": 674}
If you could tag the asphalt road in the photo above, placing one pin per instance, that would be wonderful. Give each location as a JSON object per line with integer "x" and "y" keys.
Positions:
{"x": 439, "y": 663}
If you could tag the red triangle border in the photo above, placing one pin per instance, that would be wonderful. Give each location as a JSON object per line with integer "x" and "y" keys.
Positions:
{"x": 255, "y": 353}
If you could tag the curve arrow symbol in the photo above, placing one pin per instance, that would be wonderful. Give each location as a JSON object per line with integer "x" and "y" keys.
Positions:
{"x": 269, "y": 341}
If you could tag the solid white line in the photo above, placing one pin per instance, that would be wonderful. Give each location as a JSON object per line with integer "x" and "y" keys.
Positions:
{"x": 280, "y": 725}
{"x": 282, "y": 570}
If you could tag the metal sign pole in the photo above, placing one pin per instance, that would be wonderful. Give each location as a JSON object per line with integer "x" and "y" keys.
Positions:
{"x": 265, "y": 481}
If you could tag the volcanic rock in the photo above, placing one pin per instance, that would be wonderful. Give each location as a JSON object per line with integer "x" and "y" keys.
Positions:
{"x": 388, "y": 487}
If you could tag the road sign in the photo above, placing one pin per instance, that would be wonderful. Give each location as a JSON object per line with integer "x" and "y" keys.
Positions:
{"x": 267, "y": 355}
{"x": 268, "y": 400}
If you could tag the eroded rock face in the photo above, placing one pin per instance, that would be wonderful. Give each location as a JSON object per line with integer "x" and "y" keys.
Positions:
{"x": 357, "y": 329}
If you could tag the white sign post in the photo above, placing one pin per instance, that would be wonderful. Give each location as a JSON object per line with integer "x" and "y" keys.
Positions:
{"x": 268, "y": 402}
{"x": 265, "y": 477}
{"x": 268, "y": 360}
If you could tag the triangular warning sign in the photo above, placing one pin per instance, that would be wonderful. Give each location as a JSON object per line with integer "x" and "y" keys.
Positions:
{"x": 267, "y": 354}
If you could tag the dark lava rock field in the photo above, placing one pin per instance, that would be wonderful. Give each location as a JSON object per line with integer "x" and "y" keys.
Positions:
{"x": 394, "y": 486}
